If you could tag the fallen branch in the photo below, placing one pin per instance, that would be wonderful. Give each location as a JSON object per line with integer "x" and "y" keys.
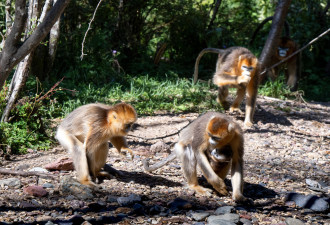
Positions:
{"x": 28, "y": 174}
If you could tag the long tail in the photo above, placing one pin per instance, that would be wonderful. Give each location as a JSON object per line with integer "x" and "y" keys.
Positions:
{"x": 205, "y": 50}
{"x": 159, "y": 164}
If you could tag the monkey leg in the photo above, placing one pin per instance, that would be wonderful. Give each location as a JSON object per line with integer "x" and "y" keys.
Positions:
{"x": 237, "y": 181}
{"x": 239, "y": 98}
{"x": 189, "y": 166}
{"x": 97, "y": 159}
{"x": 292, "y": 77}
{"x": 222, "y": 97}
{"x": 251, "y": 94}
{"x": 120, "y": 144}
{"x": 217, "y": 183}
{"x": 78, "y": 153}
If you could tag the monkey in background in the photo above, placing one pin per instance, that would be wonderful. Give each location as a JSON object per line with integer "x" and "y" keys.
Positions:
{"x": 85, "y": 133}
{"x": 291, "y": 67}
{"x": 237, "y": 67}
{"x": 215, "y": 143}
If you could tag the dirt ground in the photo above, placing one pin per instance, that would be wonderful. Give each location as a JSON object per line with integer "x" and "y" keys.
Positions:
{"x": 288, "y": 144}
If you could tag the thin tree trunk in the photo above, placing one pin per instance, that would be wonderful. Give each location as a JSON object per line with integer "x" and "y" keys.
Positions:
{"x": 23, "y": 68}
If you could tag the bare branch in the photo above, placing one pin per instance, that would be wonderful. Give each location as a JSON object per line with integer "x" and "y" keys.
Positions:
{"x": 89, "y": 27}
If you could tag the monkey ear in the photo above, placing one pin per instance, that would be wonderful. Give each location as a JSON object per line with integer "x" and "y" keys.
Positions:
{"x": 231, "y": 127}
{"x": 112, "y": 116}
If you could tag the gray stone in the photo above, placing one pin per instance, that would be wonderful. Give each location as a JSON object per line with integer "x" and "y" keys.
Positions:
{"x": 224, "y": 210}
{"x": 10, "y": 182}
{"x": 49, "y": 223}
{"x": 159, "y": 146}
{"x": 218, "y": 221}
{"x": 131, "y": 199}
{"x": 231, "y": 217}
{"x": 312, "y": 202}
{"x": 73, "y": 187}
{"x": 292, "y": 221}
{"x": 198, "y": 216}
{"x": 245, "y": 221}
{"x": 48, "y": 185}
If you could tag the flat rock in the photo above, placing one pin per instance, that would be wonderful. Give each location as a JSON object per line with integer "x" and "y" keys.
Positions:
{"x": 73, "y": 187}
{"x": 312, "y": 202}
{"x": 10, "y": 182}
{"x": 61, "y": 164}
{"x": 37, "y": 191}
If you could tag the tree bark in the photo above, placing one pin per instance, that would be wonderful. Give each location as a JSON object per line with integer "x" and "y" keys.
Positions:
{"x": 274, "y": 33}
{"x": 215, "y": 11}
{"x": 23, "y": 68}
{"x": 12, "y": 54}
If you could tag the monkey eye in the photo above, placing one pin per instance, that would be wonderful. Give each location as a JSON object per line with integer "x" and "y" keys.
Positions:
{"x": 214, "y": 138}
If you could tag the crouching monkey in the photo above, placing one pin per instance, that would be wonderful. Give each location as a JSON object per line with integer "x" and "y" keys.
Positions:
{"x": 237, "y": 67}
{"x": 85, "y": 133}
{"x": 215, "y": 143}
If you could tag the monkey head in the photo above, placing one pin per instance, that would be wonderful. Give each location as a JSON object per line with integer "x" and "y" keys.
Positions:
{"x": 246, "y": 65}
{"x": 223, "y": 154}
{"x": 121, "y": 118}
{"x": 285, "y": 48}
{"x": 219, "y": 131}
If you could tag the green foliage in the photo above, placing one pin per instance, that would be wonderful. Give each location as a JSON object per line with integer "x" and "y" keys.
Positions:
{"x": 28, "y": 127}
{"x": 275, "y": 89}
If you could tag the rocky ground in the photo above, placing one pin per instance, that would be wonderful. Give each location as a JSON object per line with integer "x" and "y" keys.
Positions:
{"x": 286, "y": 175}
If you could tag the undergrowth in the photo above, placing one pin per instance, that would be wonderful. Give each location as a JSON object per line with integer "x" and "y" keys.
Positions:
{"x": 31, "y": 124}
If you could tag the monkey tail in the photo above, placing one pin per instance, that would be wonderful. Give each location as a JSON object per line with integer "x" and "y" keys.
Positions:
{"x": 156, "y": 166}
{"x": 205, "y": 50}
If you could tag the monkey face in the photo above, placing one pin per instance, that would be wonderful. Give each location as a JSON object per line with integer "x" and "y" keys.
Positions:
{"x": 223, "y": 154}
{"x": 246, "y": 70}
{"x": 282, "y": 52}
{"x": 246, "y": 65}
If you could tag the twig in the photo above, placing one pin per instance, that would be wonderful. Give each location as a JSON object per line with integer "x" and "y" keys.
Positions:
{"x": 89, "y": 27}
{"x": 28, "y": 174}
{"x": 162, "y": 137}
{"x": 296, "y": 52}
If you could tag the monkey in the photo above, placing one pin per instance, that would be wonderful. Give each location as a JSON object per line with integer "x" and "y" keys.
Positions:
{"x": 237, "y": 67}
{"x": 291, "y": 67}
{"x": 85, "y": 133}
{"x": 286, "y": 46}
{"x": 215, "y": 143}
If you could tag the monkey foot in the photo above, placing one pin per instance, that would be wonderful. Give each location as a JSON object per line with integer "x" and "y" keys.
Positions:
{"x": 243, "y": 200}
{"x": 200, "y": 190}
{"x": 236, "y": 109}
{"x": 223, "y": 191}
{"x": 248, "y": 124}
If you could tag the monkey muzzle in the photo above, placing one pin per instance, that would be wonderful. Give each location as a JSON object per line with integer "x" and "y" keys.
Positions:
{"x": 222, "y": 155}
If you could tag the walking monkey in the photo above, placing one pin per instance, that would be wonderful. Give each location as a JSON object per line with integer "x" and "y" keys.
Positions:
{"x": 215, "y": 143}
{"x": 85, "y": 133}
{"x": 237, "y": 67}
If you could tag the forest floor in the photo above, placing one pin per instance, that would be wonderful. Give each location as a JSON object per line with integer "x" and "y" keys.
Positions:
{"x": 287, "y": 151}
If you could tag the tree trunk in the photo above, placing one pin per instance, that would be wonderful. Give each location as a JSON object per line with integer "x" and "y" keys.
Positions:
{"x": 274, "y": 33}
{"x": 11, "y": 55}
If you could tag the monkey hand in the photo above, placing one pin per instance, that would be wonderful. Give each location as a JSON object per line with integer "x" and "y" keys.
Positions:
{"x": 127, "y": 152}
{"x": 223, "y": 191}
{"x": 243, "y": 79}
{"x": 242, "y": 200}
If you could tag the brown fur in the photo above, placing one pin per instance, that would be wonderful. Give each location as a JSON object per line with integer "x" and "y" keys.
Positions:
{"x": 194, "y": 148}
{"x": 85, "y": 133}
{"x": 291, "y": 66}
{"x": 229, "y": 74}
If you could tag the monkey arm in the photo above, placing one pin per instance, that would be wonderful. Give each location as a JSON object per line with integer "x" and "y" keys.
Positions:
{"x": 120, "y": 143}
{"x": 156, "y": 166}
{"x": 217, "y": 183}
{"x": 222, "y": 79}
